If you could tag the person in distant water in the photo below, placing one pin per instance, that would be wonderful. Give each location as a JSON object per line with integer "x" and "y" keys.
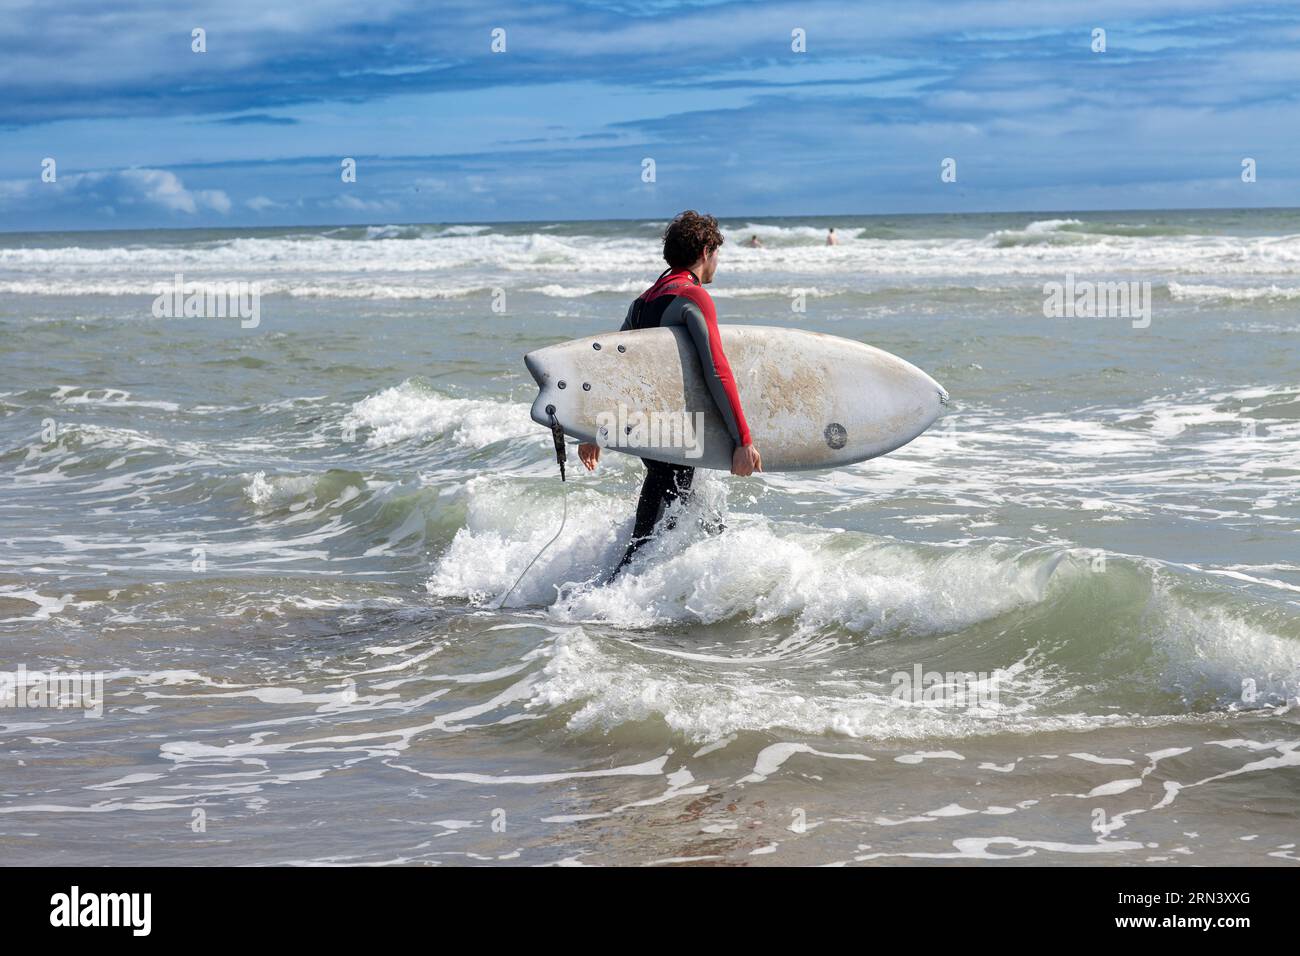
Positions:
{"x": 830, "y": 238}
{"x": 754, "y": 243}
{"x": 691, "y": 244}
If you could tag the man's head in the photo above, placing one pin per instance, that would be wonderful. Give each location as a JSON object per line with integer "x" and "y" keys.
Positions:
{"x": 691, "y": 241}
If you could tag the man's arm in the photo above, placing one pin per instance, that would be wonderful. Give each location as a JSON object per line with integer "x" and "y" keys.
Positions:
{"x": 702, "y": 323}
{"x": 627, "y": 320}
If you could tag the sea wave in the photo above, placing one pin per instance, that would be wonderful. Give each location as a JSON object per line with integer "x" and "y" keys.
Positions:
{"x": 412, "y": 410}
{"x": 458, "y": 264}
{"x": 1191, "y": 292}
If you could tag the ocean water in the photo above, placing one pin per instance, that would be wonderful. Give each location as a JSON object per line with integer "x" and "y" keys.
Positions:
{"x": 282, "y": 548}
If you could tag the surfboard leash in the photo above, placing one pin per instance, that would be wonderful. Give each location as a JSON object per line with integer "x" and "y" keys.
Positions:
{"x": 557, "y": 435}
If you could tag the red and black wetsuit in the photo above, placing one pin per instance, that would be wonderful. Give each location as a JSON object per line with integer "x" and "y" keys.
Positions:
{"x": 678, "y": 298}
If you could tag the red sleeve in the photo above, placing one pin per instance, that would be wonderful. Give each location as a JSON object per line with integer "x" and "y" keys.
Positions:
{"x": 721, "y": 367}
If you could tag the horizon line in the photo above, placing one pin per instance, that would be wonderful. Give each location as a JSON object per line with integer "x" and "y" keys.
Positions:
{"x": 755, "y": 218}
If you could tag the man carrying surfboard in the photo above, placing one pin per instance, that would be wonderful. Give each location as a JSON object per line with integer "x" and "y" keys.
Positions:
{"x": 691, "y": 244}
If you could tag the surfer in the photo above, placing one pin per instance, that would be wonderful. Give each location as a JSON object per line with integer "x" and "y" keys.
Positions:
{"x": 691, "y": 244}
{"x": 831, "y": 240}
{"x": 755, "y": 242}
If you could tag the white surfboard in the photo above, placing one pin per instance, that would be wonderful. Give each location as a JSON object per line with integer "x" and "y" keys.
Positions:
{"x": 811, "y": 400}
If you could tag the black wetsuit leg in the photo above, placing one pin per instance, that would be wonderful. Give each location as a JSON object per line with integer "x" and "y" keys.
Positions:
{"x": 664, "y": 484}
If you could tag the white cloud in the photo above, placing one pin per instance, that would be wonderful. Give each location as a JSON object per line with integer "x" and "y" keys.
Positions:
{"x": 113, "y": 191}
{"x": 165, "y": 189}
{"x": 353, "y": 204}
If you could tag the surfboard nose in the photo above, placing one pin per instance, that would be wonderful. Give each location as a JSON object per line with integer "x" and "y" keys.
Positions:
{"x": 931, "y": 401}
{"x": 941, "y": 400}
{"x": 940, "y": 396}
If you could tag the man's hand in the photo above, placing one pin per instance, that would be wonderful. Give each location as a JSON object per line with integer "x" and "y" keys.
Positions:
{"x": 744, "y": 461}
{"x": 589, "y": 454}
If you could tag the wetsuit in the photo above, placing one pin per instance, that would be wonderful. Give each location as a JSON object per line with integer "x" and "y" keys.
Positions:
{"x": 678, "y": 298}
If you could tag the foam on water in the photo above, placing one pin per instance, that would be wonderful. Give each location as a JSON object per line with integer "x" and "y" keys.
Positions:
{"x": 766, "y": 572}
{"x": 419, "y": 263}
{"x": 1213, "y": 654}
{"x": 601, "y": 685}
{"x": 411, "y": 410}
{"x": 829, "y": 586}
{"x": 1193, "y": 292}
{"x": 301, "y": 491}
{"x": 758, "y": 568}
{"x": 276, "y": 492}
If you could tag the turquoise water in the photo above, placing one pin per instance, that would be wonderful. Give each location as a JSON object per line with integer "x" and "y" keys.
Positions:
{"x": 282, "y": 546}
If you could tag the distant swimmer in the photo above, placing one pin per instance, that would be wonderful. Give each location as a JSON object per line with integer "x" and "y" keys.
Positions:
{"x": 691, "y": 245}
{"x": 830, "y": 238}
{"x": 754, "y": 243}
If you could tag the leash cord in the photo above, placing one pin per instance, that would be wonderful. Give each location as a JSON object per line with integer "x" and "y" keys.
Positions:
{"x": 557, "y": 433}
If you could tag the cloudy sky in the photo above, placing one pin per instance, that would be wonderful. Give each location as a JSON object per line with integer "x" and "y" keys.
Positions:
{"x": 145, "y": 132}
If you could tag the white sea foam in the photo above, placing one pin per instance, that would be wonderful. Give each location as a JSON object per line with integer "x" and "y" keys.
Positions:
{"x": 412, "y": 411}
{"x": 278, "y": 491}
{"x": 110, "y": 397}
{"x": 460, "y": 261}
{"x": 760, "y": 569}
{"x": 1192, "y": 292}
{"x": 1209, "y": 650}
{"x": 606, "y": 683}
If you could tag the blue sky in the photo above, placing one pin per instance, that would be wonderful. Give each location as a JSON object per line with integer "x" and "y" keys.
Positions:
{"x": 147, "y": 133}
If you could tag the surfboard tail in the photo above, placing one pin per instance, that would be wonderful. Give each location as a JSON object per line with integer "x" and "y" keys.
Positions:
{"x": 535, "y": 365}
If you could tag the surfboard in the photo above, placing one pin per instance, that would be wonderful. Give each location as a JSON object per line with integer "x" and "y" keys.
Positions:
{"x": 812, "y": 400}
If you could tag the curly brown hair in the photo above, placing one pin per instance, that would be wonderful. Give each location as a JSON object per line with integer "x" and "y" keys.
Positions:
{"x": 690, "y": 236}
